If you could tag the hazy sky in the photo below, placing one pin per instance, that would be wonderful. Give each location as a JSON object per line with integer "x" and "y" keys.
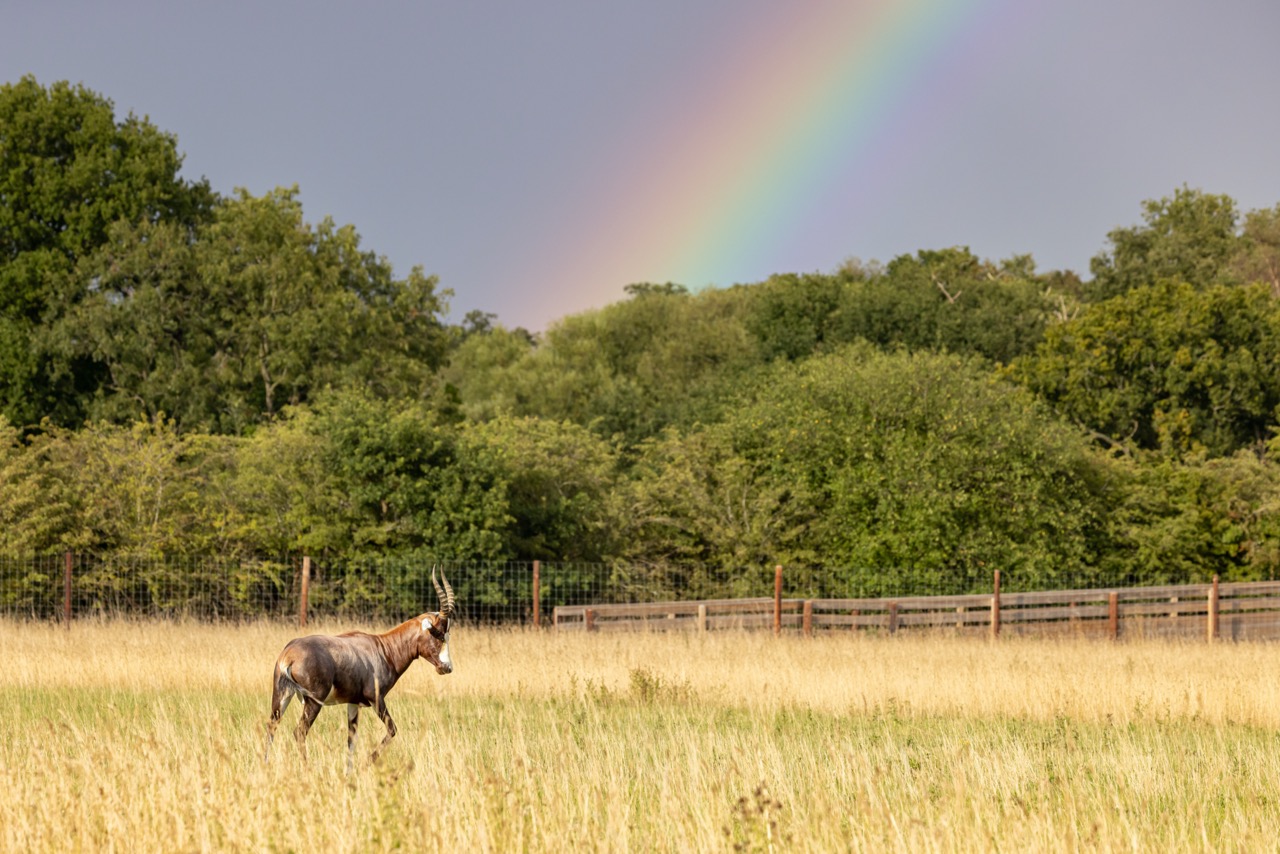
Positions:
{"x": 539, "y": 157}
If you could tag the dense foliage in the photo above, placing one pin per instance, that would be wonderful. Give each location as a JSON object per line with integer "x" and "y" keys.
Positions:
{"x": 183, "y": 373}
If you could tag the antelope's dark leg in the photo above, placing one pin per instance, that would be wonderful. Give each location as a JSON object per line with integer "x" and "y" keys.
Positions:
{"x": 310, "y": 708}
{"x": 353, "y": 717}
{"x": 391, "y": 730}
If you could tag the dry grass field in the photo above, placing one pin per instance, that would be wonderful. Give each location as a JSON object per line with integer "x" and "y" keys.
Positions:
{"x": 148, "y": 737}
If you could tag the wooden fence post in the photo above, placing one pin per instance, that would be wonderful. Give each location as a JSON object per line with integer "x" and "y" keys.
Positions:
{"x": 589, "y": 617}
{"x": 1213, "y": 610}
{"x": 995, "y": 605}
{"x": 893, "y": 617}
{"x": 1113, "y": 613}
{"x": 806, "y": 621}
{"x": 304, "y": 593}
{"x": 777, "y": 600}
{"x": 537, "y": 594}
{"x": 66, "y": 590}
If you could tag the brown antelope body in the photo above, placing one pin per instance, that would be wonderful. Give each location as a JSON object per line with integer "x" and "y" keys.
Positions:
{"x": 358, "y": 669}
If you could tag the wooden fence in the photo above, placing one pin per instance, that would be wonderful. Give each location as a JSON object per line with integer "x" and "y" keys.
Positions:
{"x": 1236, "y": 611}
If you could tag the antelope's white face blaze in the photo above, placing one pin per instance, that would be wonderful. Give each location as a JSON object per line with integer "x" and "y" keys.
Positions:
{"x": 445, "y": 661}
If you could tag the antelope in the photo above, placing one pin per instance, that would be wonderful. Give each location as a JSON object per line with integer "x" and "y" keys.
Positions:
{"x": 358, "y": 669}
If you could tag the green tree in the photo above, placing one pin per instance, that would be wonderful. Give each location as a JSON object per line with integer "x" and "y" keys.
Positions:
{"x": 257, "y": 310}
{"x": 649, "y": 289}
{"x": 487, "y": 369}
{"x": 299, "y": 309}
{"x": 1166, "y": 367}
{"x": 923, "y": 467}
{"x": 1189, "y": 238}
{"x": 705, "y": 521}
{"x": 948, "y": 300}
{"x": 791, "y": 316}
{"x": 68, "y": 171}
{"x": 144, "y": 323}
{"x": 282, "y": 492}
{"x": 401, "y": 483}
{"x": 34, "y": 505}
{"x": 1257, "y": 258}
{"x": 136, "y": 490}
{"x": 629, "y": 369}
{"x": 559, "y": 480}
{"x": 1186, "y": 521}
{"x": 1247, "y": 498}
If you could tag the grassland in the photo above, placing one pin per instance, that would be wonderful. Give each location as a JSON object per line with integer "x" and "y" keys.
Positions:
{"x": 127, "y": 737}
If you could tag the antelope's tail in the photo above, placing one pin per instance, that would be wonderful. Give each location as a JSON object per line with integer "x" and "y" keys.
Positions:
{"x": 283, "y": 690}
{"x": 281, "y": 694}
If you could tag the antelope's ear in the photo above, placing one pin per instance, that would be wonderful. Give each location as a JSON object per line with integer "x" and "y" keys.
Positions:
{"x": 427, "y": 624}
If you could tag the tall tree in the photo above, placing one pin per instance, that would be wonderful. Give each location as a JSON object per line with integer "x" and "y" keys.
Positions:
{"x": 403, "y": 483}
{"x": 1166, "y": 367}
{"x": 704, "y": 521}
{"x": 144, "y": 324}
{"x": 948, "y": 300}
{"x": 254, "y": 311}
{"x": 557, "y": 480}
{"x": 631, "y": 368}
{"x": 923, "y": 468}
{"x": 1188, "y": 238}
{"x": 136, "y": 489}
{"x": 1257, "y": 258}
{"x": 791, "y": 316}
{"x": 34, "y": 503}
{"x": 1188, "y": 521}
{"x": 68, "y": 171}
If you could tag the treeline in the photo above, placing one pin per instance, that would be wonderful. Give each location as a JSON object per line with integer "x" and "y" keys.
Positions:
{"x": 182, "y": 373}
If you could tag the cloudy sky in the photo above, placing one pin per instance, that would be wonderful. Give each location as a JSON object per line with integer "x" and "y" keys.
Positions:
{"x": 538, "y": 157}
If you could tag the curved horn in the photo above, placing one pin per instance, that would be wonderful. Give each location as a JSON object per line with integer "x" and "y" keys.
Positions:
{"x": 446, "y": 594}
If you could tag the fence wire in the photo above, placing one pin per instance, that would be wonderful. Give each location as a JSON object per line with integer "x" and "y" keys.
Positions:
{"x": 373, "y": 589}
{"x": 389, "y": 589}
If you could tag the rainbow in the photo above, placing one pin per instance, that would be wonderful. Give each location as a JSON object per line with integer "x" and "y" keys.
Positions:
{"x": 809, "y": 95}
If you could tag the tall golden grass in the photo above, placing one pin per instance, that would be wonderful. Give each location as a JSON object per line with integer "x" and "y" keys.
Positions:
{"x": 128, "y": 737}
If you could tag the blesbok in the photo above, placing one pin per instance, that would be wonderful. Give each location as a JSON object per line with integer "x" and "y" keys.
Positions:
{"x": 359, "y": 669}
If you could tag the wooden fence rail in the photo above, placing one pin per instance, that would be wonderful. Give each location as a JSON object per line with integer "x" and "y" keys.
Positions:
{"x": 1236, "y": 611}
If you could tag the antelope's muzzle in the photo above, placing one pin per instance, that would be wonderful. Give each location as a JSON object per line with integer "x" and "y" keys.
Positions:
{"x": 445, "y": 666}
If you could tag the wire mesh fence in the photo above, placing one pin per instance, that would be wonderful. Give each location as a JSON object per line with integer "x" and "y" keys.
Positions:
{"x": 387, "y": 589}
{"x": 371, "y": 589}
